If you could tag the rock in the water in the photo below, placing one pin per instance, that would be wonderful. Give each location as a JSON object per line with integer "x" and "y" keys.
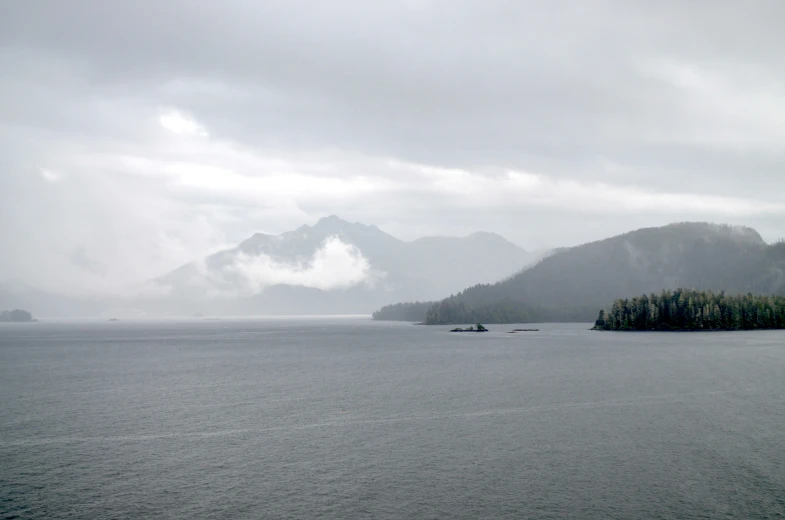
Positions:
{"x": 479, "y": 328}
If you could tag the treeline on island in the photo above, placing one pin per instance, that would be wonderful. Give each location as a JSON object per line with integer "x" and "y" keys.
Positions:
{"x": 456, "y": 312}
{"x": 408, "y": 311}
{"x": 694, "y": 310}
{"x": 453, "y": 311}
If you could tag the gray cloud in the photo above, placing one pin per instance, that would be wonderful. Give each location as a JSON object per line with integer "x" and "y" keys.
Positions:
{"x": 144, "y": 134}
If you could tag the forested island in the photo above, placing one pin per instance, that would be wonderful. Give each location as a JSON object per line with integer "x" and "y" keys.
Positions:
{"x": 691, "y": 310}
{"x": 16, "y": 315}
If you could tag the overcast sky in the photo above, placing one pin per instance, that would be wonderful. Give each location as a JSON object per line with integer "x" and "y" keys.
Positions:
{"x": 137, "y": 135}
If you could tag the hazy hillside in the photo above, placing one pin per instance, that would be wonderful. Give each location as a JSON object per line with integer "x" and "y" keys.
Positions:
{"x": 485, "y": 256}
{"x": 576, "y": 282}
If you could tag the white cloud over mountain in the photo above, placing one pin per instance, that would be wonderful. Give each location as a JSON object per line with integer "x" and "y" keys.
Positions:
{"x": 335, "y": 265}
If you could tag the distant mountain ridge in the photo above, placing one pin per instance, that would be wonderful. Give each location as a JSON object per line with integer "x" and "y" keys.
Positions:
{"x": 331, "y": 267}
{"x": 298, "y": 271}
{"x": 575, "y": 283}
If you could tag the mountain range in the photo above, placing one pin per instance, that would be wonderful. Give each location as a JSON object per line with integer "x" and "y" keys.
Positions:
{"x": 338, "y": 267}
{"x": 574, "y": 283}
{"x": 331, "y": 267}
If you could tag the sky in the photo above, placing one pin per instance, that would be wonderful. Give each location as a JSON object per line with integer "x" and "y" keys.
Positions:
{"x": 137, "y": 136}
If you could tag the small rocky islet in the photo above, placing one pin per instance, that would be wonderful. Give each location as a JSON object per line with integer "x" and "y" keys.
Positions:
{"x": 477, "y": 328}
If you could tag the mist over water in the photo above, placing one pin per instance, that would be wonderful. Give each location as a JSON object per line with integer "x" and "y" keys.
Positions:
{"x": 348, "y": 418}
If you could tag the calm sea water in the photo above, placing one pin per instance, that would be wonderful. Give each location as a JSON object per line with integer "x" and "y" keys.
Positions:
{"x": 347, "y": 418}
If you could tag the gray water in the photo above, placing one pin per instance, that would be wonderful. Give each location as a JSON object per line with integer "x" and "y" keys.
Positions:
{"x": 347, "y": 418}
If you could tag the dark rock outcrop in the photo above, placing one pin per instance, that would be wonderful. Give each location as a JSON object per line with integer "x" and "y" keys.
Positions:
{"x": 478, "y": 328}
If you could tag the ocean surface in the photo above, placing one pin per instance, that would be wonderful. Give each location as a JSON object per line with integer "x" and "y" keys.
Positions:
{"x": 348, "y": 418}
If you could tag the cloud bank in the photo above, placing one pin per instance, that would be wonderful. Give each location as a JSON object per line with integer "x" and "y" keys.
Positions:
{"x": 552, "y": 123}
{"x": 335, "y": 265}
